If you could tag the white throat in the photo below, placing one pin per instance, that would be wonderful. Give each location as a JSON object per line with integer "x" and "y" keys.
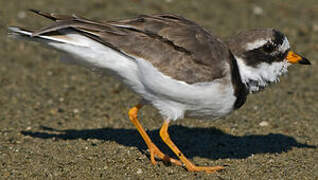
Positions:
{"x": 257, "y": 78}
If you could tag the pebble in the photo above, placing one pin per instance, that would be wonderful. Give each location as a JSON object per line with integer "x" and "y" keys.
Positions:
{"x": 258, "y": 10}
{"x": 139, "y": 171}
{"x": 50, "y": 101}
{"x": 6, "y": 174}
{"x": 264, "y": 123}
{"x": 53, "y": 111}
{"x": 21, "y": 14}
{"x": 315, "y": 27}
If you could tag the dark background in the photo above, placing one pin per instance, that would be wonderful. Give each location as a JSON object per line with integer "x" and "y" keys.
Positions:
{"x": 63, "y": 122}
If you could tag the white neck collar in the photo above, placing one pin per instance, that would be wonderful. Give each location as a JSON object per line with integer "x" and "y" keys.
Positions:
{"x": 257, "y": 78}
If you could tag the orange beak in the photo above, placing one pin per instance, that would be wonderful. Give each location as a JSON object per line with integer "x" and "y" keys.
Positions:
{"x": 294, "y": 58}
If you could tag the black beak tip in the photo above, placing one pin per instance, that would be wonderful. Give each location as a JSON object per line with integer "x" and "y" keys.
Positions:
{"x": 304, "y": 61}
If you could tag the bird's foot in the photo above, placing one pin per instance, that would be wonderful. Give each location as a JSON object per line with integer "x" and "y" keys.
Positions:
{"x": 155, "y": 152}
{"x": 208, "y": 169}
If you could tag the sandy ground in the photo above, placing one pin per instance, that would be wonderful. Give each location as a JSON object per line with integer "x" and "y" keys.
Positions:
{"x": 65, "y": 122}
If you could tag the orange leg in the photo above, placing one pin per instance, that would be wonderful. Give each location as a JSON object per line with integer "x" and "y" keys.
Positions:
{"x": 190, "y": 166}
{"x": 154, "y": 150}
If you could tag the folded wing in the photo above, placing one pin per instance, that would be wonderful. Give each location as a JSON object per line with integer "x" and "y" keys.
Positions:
{"x": 177, "y": 47}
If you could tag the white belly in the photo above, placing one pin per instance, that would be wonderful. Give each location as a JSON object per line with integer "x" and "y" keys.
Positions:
{"x": 176, "y": 99}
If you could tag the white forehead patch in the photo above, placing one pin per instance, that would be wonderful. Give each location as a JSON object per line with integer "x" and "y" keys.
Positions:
{"x": 256, "y": 44}
{"x": 259, "y": 43}
{"x": 285, "y": 46}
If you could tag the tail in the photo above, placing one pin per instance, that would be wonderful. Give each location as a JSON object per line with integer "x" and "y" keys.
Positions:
{"x": 76, "y": 48}
{"x": 23, "y": 34}
{"x": 80, "y": 39}
{"x": 20, "y": 33}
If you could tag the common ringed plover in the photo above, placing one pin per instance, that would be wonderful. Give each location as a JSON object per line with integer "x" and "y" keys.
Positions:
{"x": 173, "y": 64}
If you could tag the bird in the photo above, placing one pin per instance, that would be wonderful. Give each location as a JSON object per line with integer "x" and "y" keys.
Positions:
{"x": 173, "y": 64}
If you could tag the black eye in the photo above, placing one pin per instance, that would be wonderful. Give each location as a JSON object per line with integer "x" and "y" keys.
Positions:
{"x": 269, "y": 47}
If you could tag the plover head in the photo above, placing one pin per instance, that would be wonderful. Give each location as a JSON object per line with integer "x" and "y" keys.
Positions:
{"x": 262, "y": 56}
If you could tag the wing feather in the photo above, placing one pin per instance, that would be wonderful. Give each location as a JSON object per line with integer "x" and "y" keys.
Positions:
{"x": 176, "y": 46}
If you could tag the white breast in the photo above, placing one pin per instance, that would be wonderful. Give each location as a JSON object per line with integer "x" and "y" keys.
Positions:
{"x": 175, "y": 99}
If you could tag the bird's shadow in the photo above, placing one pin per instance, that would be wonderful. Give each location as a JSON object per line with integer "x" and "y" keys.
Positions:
{"x": 209, "y": 143}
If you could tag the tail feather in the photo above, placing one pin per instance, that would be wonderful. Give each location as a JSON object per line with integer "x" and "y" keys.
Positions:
{"x": 79, "y": 48}
{"x": 44, "y": 14}
{"x": 79, "y": 39}
{"x": 23, "y": 34}
{"x": 19, "y": 33}
{"x": 52, "y": 16}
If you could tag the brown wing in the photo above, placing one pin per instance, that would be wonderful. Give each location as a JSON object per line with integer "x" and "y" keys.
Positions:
{"x": 176, "y": 46}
